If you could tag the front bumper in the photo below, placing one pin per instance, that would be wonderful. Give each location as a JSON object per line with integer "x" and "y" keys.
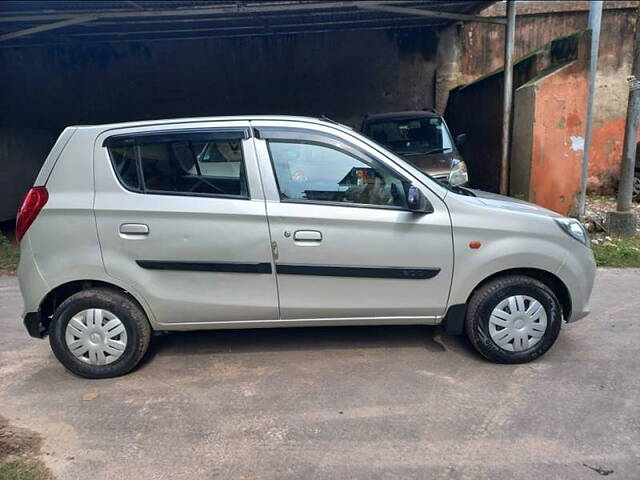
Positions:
{"x": 578, "y": 272}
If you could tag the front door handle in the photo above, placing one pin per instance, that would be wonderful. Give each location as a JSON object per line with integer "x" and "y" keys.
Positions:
{"x": 307, "y": 236}
{"x": 134, "y": 229}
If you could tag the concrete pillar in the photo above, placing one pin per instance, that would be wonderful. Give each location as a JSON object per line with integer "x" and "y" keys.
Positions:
{"x": 448, "y": 70}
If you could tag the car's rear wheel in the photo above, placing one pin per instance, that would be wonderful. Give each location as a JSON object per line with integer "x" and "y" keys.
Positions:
{"x": 513, "y": 319}
{"x": 99, "y": 333}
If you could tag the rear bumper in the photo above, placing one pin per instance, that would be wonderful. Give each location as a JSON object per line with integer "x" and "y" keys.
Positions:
{"x": 32, "y": 285}
{"x": 33, "y": 324}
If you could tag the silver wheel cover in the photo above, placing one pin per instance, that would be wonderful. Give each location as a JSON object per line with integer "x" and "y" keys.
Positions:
{"x": 517, "y": 323}
{"x": 96, "y": 336}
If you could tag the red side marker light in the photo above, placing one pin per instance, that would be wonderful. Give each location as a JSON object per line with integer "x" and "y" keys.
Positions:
{"x": 475, "y": 245}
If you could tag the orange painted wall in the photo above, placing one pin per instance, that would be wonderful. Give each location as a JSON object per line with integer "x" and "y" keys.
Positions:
{"x": 559, "y": 126}
{"x": 605, "y": 154}
{"x": 540, "y": 22}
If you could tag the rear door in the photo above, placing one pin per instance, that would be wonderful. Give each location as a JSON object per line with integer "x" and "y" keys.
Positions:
{"x": 348, "y": 247}
{"x": 181, "y": 219}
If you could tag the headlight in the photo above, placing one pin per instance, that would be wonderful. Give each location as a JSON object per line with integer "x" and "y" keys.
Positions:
{"x": 573, "y": 228}
{"x": 458, "y": 174}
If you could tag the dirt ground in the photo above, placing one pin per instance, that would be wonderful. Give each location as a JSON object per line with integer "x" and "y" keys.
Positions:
{"x": 19, "y": 452}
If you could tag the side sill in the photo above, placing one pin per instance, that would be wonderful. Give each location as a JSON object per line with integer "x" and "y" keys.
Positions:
{"x": 307, "y": 322}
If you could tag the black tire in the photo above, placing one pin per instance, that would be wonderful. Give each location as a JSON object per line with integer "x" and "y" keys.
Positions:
{"x": 487, "y": 297}
{"x": 130, "y": 314}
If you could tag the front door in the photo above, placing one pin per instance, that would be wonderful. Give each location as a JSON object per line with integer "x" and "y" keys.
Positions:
{"x": 181, "y": 219}
{"x": 347, "y": 246}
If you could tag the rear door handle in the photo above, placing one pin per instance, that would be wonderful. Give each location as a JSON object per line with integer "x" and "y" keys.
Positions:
{"x": 134, "y": 229}
{"x": 307, "y": 236}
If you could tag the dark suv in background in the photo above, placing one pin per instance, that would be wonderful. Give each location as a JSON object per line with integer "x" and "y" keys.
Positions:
{"x": 422, "y": 138}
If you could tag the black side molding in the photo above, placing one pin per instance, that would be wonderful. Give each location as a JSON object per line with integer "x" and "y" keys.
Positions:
{"x": 453, "y": 322}
{"x": 294, "y": 269}
{"x": 357, "y": 271}
{"x": 224, "y": 267}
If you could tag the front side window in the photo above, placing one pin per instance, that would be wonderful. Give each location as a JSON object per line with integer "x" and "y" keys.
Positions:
{"x": 421, "y": 136}
{"x": 190, "y": 164}
{"x": 316, "y": 172}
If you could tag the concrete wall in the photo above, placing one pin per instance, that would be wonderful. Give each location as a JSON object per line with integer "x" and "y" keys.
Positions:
{"x": 540, "y": 22}
{"x": 548, "y": 129}
{"x": 550, "y": 102}
{"x": 476, "y": 108}
{"x": 342, "y": 75}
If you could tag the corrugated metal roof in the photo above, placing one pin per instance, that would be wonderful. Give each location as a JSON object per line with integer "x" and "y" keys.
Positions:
{"x": 128, "y": 20}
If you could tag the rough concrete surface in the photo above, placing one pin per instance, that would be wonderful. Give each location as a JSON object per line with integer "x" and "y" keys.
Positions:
{"x": 329, "y": 403}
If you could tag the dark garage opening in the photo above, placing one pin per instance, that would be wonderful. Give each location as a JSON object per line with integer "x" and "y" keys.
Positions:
{"x": 123, "y": 61}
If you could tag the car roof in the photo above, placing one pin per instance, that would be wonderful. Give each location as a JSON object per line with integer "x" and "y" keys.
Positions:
{"x": 402, "y": 115}
{"x": 169, "y": 121}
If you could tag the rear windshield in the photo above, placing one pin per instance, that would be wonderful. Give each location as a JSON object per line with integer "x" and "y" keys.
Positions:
{"x": 418, "y": 136}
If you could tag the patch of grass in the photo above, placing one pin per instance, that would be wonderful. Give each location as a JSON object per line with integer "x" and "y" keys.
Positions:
{"x": 616, "y": 252}
{"x": 596, "y": 196}
{"x": 9, "y": 255}
{"x": 24, "y": 470}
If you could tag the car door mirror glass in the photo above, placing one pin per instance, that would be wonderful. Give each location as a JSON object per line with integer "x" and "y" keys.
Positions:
{"x": 417, "y": 202}
{"x": 461, "y": 140}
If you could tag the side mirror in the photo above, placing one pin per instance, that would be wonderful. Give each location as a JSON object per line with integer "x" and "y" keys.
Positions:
{"x": 417, "y": 202}
{"x": 458, "y": 175}
{"x": 461, "y": 140}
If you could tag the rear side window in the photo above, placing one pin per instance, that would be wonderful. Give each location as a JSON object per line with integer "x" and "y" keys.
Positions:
{"x": 197, "y": 163}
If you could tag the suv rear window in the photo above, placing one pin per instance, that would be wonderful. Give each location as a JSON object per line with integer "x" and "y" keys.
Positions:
{"x": 198, "y": 163}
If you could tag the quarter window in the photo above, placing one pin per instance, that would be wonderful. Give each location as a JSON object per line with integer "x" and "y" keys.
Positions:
{"x": 188, "y": 164}
{"x": 315, "y": 172}
{"x": 124, "y": 161}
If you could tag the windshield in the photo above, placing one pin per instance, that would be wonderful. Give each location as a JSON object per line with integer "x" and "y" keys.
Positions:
{"x": 420, "y": 136}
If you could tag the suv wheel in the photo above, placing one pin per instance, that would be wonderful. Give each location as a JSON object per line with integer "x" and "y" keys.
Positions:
{"x": 99, "y": 333}
{"x": 513, "y": 319}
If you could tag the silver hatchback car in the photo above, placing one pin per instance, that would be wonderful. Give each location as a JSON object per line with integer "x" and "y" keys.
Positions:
{"x": 254, "y": 222}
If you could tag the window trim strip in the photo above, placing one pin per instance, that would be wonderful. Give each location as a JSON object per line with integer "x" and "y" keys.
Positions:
{"x": 329, "y": 203}
{"x": 162, "y": 136}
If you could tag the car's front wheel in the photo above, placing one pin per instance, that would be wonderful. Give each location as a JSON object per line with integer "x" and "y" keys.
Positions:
{"x": 513, "y": 319}
{"x": 99, "y": 333}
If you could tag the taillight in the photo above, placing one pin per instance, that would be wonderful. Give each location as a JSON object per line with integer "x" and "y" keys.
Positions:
{"x": 34, "y": 201}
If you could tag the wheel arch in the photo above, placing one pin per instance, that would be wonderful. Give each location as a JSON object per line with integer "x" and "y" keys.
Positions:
{"x": 555, "y": 284}
{"x": 60, "y": 293}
